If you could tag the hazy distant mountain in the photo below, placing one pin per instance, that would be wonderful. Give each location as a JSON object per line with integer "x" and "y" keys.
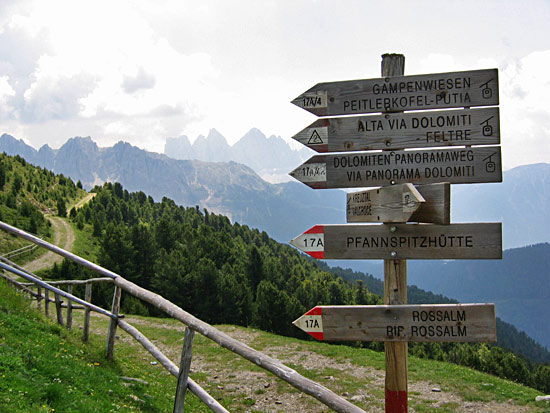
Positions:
{"x": 271, "y": 158}
{"x": 521, "y": 202}
{"x": 519, "y": 285}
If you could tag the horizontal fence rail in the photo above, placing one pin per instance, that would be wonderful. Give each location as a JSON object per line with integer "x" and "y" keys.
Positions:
{"x": 15, "y": 253}
{"x": 55, "y": 290}
{"x": 75, "y": 282}
{"x": 171, "y": 367}
{"x": 266, "y": 362}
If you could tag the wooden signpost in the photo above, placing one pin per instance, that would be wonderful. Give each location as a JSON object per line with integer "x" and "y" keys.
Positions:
{"x": 401, "y": 203}
{"x": 403, "y": 130}
{"x": 425, "y": 323}
{"x": 398, "y": 201}
{"x": 403, "y": 241}
{"x": 368, "y": 169}
{"x": 400, "y": 93}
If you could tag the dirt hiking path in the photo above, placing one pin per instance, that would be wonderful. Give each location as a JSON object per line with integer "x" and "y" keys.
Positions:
{"x": 63, "y": 237}
{"x": 268, "y": 391}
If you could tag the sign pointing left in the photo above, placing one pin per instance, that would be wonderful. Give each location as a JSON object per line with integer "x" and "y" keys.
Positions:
{"x": 402, "y": 241}
{"x": 423, "y": 322}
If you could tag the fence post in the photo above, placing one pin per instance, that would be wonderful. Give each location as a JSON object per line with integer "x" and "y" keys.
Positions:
{"x": 185, "y": 366}
{"x": 88, "y": 298}
{"x": 46, "y": 302}
{"x": 58, "y": 309}
{"x": 70, "y": 308}
{"x": 112, "y": 326}
{"x": 39, "y": 298}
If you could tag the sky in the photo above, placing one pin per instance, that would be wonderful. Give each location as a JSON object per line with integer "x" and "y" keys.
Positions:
{"x": 142, "y": 71}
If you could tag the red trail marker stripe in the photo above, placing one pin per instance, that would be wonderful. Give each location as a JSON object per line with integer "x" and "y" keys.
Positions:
{"x": 317, "y": 229}
{"x": 396, "y": 401}
{"x": 315, "y": 311}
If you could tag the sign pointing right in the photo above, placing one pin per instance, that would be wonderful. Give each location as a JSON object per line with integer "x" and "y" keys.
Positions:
{"x": 401, "y": 203}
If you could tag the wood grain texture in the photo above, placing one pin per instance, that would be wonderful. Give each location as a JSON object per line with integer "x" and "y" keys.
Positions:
{"x": 183, "y": 374}
{"x": 387, "y": 204}
{"x": 421, "y": 322}
{"x": 403, "y": 130}
{"x": 115, "y": 308}
{"x": 413, "y": 241}
{"x": 402, "y": 93}
{"x": 70, "y": 309}
{"x": 437, "y": 206}
{"x": 86, "y": 327}
{"x": 371, "y": 169}
{"x": 395, "y": 293}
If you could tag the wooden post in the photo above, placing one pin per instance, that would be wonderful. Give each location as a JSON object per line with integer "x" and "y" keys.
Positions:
{"x": 58, "y": 309}
{"x": 185, "y": 366}
{"x": 70, "y": 308}
{"x": 112, "y": 326}
{"x": 46, "y": 302}
{"x": 39, "y": 298}
{"x": 86, "y": 328}
{"x": 395, "y": 292}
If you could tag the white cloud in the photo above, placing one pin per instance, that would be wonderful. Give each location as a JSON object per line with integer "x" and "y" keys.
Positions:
{"x": 525, "y": 113}
{"x": 6, "y": 92}
{"x": 105, "y": 63}
{"x": 145, "y": 70}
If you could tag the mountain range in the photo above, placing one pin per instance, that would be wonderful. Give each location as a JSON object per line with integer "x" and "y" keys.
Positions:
{"x": 519, "y": 284}
{"x": 271, "y": 158}
{"x": 520, "y": 202}
{"x": 227, "y": 188}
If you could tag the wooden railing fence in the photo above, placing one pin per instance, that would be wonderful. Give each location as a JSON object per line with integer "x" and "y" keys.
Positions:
{"x": 193, "y": 324}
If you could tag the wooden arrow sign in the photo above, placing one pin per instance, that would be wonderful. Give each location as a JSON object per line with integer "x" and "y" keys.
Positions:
{"x": 403, "y": 130}
{"x": 400, "y": 93}
{"x": 425, "y": 323}
{"x": 369, "y": 169}
{"x": 401, "y": 203}
{"x": 402, "y": 241}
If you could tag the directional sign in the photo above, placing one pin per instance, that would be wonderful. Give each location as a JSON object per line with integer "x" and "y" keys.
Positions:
{"x": 388, "y": 204}
{"x": 427, "y": 323}
{"x": 369, "y": 169}
{"x": 400, "y": 93}
{"x": 401, "y": 203}
{"x": 402, "y": 241}
{"x": 403, "y": 130}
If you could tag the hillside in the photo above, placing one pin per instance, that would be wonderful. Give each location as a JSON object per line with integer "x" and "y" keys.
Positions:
{"x": 55, "y": 371}
{"x": 508, "y": 335}
{"x": 227, "y": 188}
{"x": 518, "y": 284}
{"x": 223, "y": 272}
{"x": 287, "y": 209}
{"x": 26, "y": 194}
{"x": 521, "y": 202}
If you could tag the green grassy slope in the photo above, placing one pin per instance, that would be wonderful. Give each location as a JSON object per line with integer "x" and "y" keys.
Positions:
{"x": 45, "y": 368}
